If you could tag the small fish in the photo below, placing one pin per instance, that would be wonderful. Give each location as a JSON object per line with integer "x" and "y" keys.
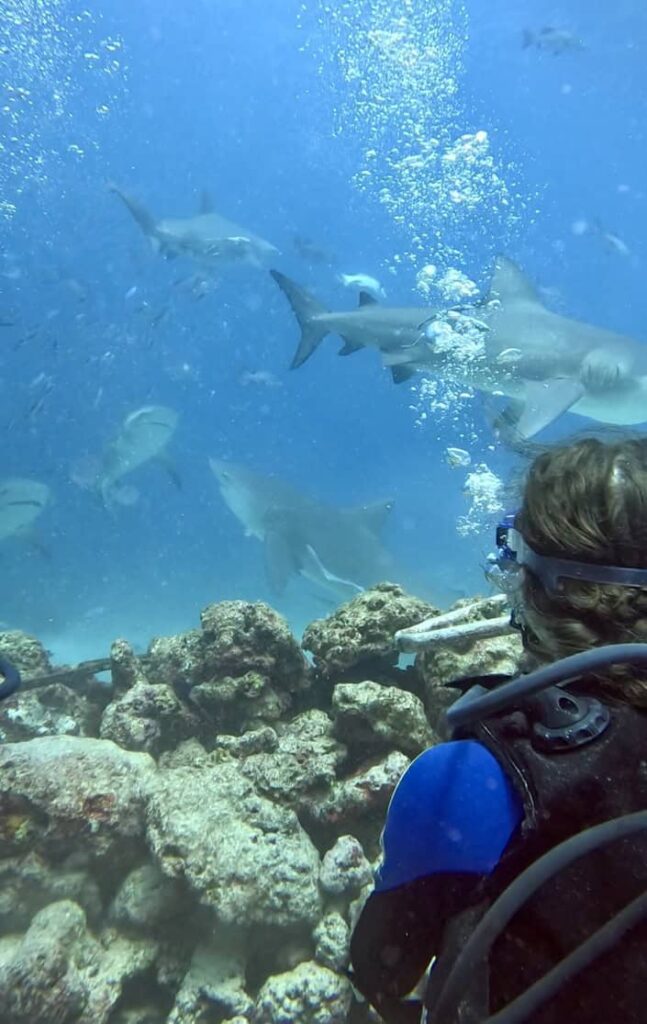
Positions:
{"x": 12, "y": 274}
{"x": 131, "y": 292}
{"x": 612, "y": 242}
{"x": 364, "y": 283}
{"x": 551, "y": 40}
{"x": 457, "y": 458}
{"x": 263, "y": 378}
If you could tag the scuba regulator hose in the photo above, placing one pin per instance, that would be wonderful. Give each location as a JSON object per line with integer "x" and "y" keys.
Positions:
{"x": 506, "y": 906}
{"x": 10, "y": 678}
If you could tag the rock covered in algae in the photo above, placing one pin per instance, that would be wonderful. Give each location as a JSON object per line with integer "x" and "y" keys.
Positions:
{"x": 332, "y": 942}
{"x": 375, "y": 717}
{"x": 242, "y": 855}
{"x": 362, "y": 631}
{"x": 26, "y": 653}
{"x": 305, "y": 760}
{"x": 64, "y": 793}
{"x": 344, "y": 868}
{"x": 59, "y": 972}
{"x": 213, "y": 988}
{"x": 146, "y": 898}
{"x": 29, "y": 883}
{"x": 360, "y": 799}
{"x": 437, "y": 668}
{"x": 46, "y": 711}
{"x": 149, "y": 717}
{"x": 240, "y": 669}
{"x": 309, "y": 994}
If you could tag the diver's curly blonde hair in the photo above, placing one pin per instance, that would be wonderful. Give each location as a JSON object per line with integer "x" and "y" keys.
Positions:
{"x": 587, "y": 500}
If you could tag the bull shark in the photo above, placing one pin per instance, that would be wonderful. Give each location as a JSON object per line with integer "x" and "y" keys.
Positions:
{"x": 338, "y": 550}
{"x": 144, "y": 435}
{"x": 21, "y": 502}
{"x": 510, "y": 344}
{"x": 207, "y": 236}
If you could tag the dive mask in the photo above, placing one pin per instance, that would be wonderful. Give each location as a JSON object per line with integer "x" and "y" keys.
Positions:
{"x": 513, "y": 552}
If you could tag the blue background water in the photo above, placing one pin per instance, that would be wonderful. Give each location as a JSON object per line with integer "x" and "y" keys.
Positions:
{"x": 225, "y": 96}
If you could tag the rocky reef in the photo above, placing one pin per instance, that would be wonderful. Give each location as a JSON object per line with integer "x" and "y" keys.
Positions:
{"x": 189, "y": 842}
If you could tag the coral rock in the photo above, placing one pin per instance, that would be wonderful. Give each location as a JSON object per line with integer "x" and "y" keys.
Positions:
{"x": 60, "y": 973}
{"x": 26, "y": 653}
{"x": 242, "y": 855}
{"x": 438, "y": 668}
{"x": 332, "y": 939}
{"x": 125, "y": 668}
{"x": 306, "y": 759}
{"x": 362, "y": 631}
{"x": 64, "y": 792}
{"x": 27, "y": 884}
{"x": 146, "y": 898}
{"x": 369, "y": 715}
{"x": 365, "y": 794}
{"x": 344, "y": 868}
{"x": 213, "y": 988}
{"x": 46, "y": 711}
{"x": 310, "y": 994}
{"x": 239, "y": 670}
{"x": 149, "y": 718}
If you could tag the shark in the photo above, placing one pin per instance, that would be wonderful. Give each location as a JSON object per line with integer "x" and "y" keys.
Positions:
{"x": 389, "y": 329}
{"x": 509, "y": 344}
{"x": 143, "y": 435}
{"x": 207, "y": 237}
{"x": 339, "y": 550}
{"x": 21, "y": 503}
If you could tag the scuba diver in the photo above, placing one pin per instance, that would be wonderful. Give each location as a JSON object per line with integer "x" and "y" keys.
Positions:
{"x": 515, "y": 855}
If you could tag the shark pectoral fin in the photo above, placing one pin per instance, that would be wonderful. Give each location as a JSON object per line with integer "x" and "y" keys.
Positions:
{"x": 402, "y": 373}
{"x": 366, "y": 299}
{"x": 138, "y": 212}
{"x": 349, "y": 347}
{"x": 306, "y": 309}
{"x": 279, "y": 559}
{"x": 545, "y": 401}
{"x": 313, "y": 569}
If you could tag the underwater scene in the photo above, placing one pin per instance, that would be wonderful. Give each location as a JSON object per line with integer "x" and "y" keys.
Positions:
{"x": 290, "y": 290}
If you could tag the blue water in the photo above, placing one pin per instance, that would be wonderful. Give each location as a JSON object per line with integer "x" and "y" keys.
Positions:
{"x": 245, "y": 99}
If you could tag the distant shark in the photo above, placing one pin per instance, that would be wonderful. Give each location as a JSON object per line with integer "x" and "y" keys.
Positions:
{"x": 21, "y": 502}
{"x": 207, "y": 236}
{"x": 337, "y": 549}
{"x": 510, "y": 344}
{"x": 144, "y": 435}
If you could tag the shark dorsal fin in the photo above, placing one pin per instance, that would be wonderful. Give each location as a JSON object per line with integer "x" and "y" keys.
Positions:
{"x": 206, "y": 204}
{"x": 366, "y": 299}
{"x": 374, "y": 516}
{"x": 510, "y": 284}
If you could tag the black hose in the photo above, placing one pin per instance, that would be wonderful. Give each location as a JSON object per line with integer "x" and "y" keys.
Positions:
{"x": 11, "y": 680}
{"x": 604, "y": 939}
{"x": 506, "y": 906}
{"x": 470, "y": 709}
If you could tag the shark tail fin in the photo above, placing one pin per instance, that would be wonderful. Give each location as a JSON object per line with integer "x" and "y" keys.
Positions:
{"x": 138, "y": 212}
{"x": 306, "y": 309}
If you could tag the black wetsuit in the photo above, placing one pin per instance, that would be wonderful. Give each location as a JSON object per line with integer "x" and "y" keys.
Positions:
{"x": 404, "y": 925}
